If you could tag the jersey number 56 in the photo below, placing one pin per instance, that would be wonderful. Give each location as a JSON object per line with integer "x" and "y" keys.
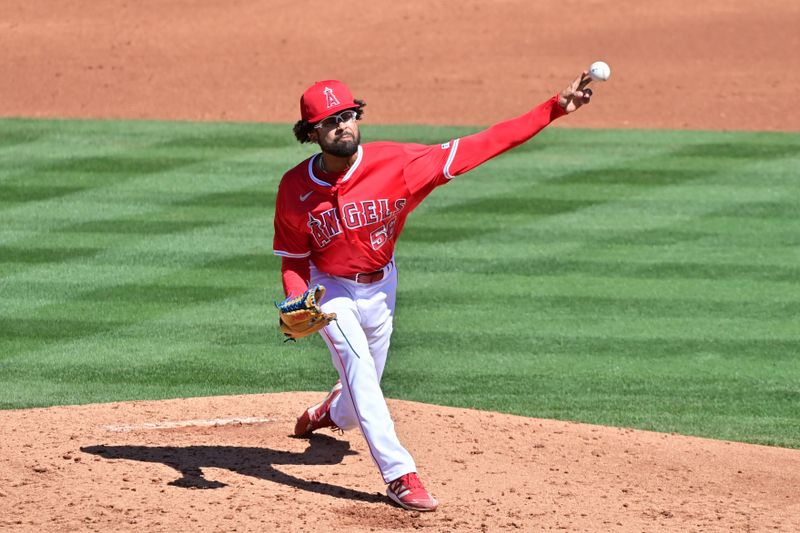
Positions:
{"x": 383, "y": 234}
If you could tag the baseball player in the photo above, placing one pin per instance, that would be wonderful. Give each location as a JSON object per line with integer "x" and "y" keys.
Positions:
{"x": 338, "y": 215}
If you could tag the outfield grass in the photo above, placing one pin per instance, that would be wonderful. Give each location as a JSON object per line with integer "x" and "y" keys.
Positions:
{"x": 646, "y": 279}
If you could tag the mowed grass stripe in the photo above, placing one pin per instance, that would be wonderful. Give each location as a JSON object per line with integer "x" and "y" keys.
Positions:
{"x": 115, "y": 169}
{"x": 682, "y": 204}
{"x": 644, "y": 280}
{"x": 140, "y": 228}
{"x": 645, "y": 323}
{"x": 139, "y": 156}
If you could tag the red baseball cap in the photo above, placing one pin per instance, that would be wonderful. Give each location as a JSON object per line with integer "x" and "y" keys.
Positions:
{"x": 325, "y": 98}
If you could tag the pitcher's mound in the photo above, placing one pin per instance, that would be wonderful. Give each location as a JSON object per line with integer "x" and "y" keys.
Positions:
{"x": 229, "y": 464}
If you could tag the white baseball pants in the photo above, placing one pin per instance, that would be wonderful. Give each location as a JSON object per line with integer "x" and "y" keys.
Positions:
{"x": 359, "y": 343}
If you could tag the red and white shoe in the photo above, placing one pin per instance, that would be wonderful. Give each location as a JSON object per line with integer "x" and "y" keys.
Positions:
{"x": 407, "y": 492}
{"x": 317, "y": 416}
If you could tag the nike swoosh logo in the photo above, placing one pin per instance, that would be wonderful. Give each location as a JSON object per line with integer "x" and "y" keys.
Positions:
{"x": 304, "y": 197}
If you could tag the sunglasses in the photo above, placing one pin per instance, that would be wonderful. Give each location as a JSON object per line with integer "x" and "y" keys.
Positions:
{"x": 334, "y": 120}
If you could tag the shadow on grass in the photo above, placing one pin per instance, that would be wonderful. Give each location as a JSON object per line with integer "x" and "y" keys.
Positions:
{"x": 256, "y": 462}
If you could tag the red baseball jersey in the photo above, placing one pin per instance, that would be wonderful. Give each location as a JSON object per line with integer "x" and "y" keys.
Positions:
{"x": 352, "y": 226}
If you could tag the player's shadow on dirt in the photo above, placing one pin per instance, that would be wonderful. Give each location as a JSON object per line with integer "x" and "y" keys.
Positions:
{"x": 255, "y": 462}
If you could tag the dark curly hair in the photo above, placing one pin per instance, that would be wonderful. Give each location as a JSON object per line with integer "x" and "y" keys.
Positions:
{"x": 302, "y": 128}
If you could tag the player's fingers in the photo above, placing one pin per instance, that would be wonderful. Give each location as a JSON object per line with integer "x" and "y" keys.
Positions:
{"x": 573, "y": 86}
{"x": 576, "y": 83}
{"x": 585, "y": 79}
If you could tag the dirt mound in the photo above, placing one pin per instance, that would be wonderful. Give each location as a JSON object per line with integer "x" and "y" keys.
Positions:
{"x": 229, "y": 464}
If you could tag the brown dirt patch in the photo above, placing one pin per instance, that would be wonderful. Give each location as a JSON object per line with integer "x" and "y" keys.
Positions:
{"x": 701, "y": 65}
{"x": 717, "y": 64}
{"x": 100, "y": 467}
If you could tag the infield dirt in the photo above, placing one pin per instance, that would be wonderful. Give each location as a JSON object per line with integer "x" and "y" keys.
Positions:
{"x": 719, "y": 64}
{"x": 162, "y": 466}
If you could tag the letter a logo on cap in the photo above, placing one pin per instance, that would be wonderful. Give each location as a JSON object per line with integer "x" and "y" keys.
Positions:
{"x": 324, "y": 98}
{"x": 330, "y": 98}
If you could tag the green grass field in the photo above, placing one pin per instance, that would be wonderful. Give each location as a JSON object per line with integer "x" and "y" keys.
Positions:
{"x": 646, "y": 279}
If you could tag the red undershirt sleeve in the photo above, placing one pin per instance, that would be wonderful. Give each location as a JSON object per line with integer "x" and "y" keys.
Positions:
{"x": 295, "y": 274}
{"x": 482, "y": 146}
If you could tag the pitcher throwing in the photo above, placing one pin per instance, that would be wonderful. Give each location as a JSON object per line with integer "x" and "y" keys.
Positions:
{"x": 338, "y": 215}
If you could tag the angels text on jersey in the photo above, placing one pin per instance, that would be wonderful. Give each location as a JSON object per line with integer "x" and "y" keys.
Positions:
{"x": 354, "y": 215}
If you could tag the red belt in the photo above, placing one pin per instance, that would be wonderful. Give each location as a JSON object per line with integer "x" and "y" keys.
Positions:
{"x": 368, "y": 277}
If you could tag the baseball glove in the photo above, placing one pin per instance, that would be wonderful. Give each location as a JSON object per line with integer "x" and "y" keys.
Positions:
{"x": 301, "y": 316}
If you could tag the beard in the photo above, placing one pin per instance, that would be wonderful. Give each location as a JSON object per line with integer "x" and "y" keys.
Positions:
{"x": 341, "y": 147}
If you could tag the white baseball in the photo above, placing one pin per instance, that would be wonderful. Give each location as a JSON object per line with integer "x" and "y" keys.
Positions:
{"x": 599, "y": 71}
